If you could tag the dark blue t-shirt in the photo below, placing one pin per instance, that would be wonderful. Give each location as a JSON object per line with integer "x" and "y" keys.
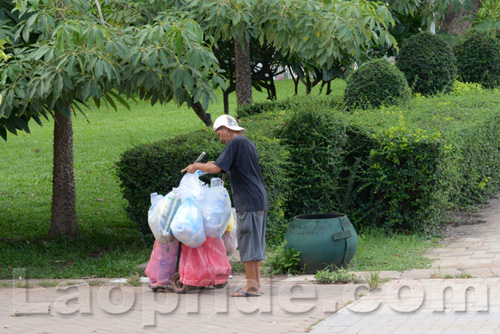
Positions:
{"x": 240, "y": 159}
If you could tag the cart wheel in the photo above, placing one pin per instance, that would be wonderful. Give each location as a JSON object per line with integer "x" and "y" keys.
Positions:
{"x": 220, "y": 286}
{"x": 177, "y": 285}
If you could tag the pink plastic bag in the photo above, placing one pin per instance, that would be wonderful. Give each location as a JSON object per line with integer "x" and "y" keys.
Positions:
{"x": 161, "y": 265}
{"x": 205, "y": 265}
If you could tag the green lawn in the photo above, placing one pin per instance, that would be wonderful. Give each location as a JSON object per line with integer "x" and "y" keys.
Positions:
{"x": 108, "y": 244}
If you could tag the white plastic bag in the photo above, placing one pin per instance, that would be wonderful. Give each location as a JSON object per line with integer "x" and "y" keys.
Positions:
{"x": 216, "y": 211}
{"x": 160, "y": 215}
{"x": 191, "y": 187}
{"x": 230, "y": 237}
{"x": 187, "y": 225}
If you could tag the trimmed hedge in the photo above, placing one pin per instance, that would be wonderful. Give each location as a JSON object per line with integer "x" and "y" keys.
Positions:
{"x": 399, "y": 168}
{"x": 436, "y": 154}
{"x": 315, "y": 142}
{"x": 330, "y": 101}
{"x": 428, "y": 64}
{"x": 478, "y": 58}
{"x": 157, "y": 167}
{"x": 376, "y": 83}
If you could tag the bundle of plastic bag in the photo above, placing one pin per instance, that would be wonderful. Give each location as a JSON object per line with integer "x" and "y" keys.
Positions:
{"x": 230, "y": 237}
{"x": 216, "y": 211}
{"x": 187, "y": 225}
{"x": 160, "y": 215}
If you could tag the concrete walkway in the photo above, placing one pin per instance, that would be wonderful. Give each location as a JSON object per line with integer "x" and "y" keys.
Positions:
{"x": 416, "y": 301}
{"x": 424, "y": 301}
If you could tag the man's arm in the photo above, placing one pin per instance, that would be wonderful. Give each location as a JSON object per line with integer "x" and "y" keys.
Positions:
{"x": 208, "y": 167}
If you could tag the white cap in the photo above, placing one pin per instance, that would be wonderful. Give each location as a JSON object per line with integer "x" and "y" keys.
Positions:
{"x": 229, "y": 122}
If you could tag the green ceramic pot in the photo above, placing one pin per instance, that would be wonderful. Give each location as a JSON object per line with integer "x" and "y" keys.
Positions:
{"x": 323, "y": 239}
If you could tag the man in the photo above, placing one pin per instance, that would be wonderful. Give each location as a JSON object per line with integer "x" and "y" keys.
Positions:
{"x": 240, "y": 159}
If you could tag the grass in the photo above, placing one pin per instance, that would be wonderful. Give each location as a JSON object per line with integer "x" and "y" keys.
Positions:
{"x": 378, "y": 252}
{"x": 108, "y": 243}
{"x": 48, "y": 284}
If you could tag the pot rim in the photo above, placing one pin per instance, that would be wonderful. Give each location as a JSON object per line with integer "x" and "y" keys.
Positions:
{"x": 315, "y": 216}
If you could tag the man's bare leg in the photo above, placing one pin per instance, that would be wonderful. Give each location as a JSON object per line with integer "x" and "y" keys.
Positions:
{"x": 252, "y": 270}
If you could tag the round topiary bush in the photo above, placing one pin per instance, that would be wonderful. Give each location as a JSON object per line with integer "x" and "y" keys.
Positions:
{"x": 478, "y": 58}
{"x": 428, "y": 64}
{"x": 376, "y": 83}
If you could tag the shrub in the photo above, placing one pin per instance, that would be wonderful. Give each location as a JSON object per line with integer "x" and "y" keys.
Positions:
{"x": 399, "y": 168}
{"x": 156, "y": 168}
{"x": 262, "y": 107}
{"x": 461, "y": 88}
{"x": 478, "y": 58}
{"x": 315, "y": 141}
{"x": 376, "y": 83}
{"x": 436, "y": 154}
{"x": 330, "y": 101}
{"x": 427, "y": 63}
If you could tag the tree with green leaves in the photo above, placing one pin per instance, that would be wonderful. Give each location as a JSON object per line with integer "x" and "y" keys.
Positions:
{"x": 61, "y": 55}
{"x": 309, "y": 31}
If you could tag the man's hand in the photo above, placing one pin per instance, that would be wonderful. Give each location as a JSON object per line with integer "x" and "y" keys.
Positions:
{"x": 209, "y": 167}
{"x": 190, "y": 169}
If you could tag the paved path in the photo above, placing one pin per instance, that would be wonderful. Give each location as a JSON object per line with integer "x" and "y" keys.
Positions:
{"x": 285, "y": 307}
{"x": 412, "y": 302}
{"x": 421, "y": 301}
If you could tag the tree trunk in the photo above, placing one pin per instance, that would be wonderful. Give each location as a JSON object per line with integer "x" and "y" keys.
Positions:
{"x": 63, "y": 218}
{"x": 243, "y": 71}
{"x": 202, "y": 113}
{"x": 459, "y": 20}
{"x": 295, "y": 81}
{"x": 271, "y": 90}
{"x": 225, "y": 95}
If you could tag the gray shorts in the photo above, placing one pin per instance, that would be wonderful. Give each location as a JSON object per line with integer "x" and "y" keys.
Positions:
{"x": 252, "y": 235}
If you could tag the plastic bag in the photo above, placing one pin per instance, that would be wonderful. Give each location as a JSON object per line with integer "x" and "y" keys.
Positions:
{"x": 187, "y": 225}
{"x": 161, "y": 265}
{"x": 230, "y": 237}
{"x": 191, "y": 187}
{"x": 205, "y": 265}
{"x": 160, "y": 215}
{"x": 215, "y": 209}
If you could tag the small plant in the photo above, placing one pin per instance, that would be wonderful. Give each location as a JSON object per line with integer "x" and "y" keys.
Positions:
{"x": 24, "y": 285}
{"x": 310, "y": 327}
{"x": 284, "y": 261}
{"x": 373, "y": 279}
{"x": 134, "y": 280}
{"x": 376, "y": 83}
{"x": 338, "y": 275}
{"x": 464, "y": 275}
{"x": 48, "y": 284}
{"x": 96, "y": 283}
{"x": 5, "y": 285}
